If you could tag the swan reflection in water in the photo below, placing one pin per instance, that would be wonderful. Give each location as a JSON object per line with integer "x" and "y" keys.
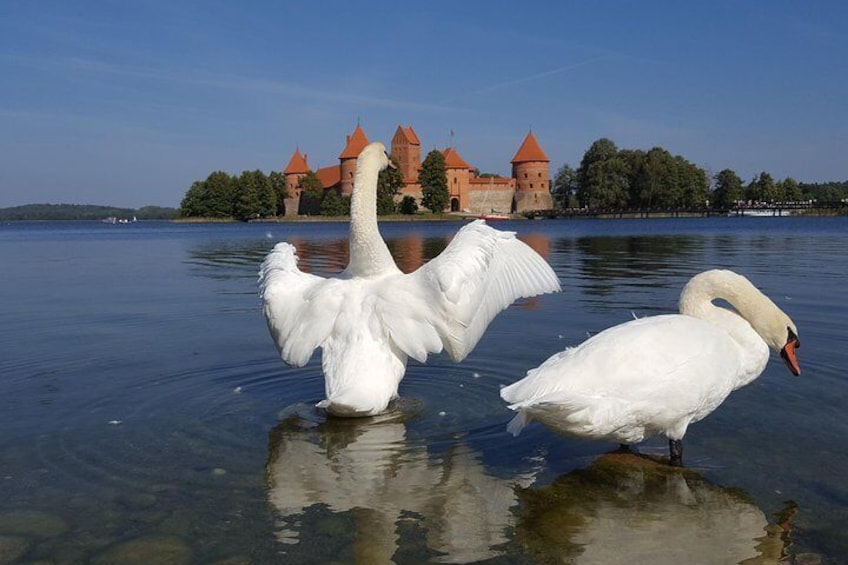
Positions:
{"x": 386, "y": 482}
{"x": 628, "y": 509}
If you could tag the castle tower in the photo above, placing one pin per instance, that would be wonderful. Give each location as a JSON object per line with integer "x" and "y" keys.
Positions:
{"x": 458, "y": 177}
{"x": 356, "y": 142}
{"x": 295, "y": 171}
{"x": 531, "y": 170}
{"x": 406, "y": 151}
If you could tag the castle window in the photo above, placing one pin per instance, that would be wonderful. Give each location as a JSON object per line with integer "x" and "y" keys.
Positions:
{"x": 531, "y": 185}
{"x": 540, "y": 175}
{"x": 525, "y": 175}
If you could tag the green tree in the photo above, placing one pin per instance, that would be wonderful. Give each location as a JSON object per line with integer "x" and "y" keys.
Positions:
{"x": 791, "y": 190}
{"x": 408, "y": 205}
{"x": 763, "y": 189}
{"x": 728, "y": 189}
{"x": 220, "y": 194}
{"x": 194, "y": 203}
{"x": 312, "y": 192}
{"x": 602, "y": 177}
{"x": 389, "y": 184}
{"x": 278, "y": 185}
{"x": 434, "y": 182}
{"x": 255, "y": 196}
{"x": 334, "y": 204}
{"x": 656, "y": 182}
{"x": 564, "y": 187}
{"x": 694, "y": 185}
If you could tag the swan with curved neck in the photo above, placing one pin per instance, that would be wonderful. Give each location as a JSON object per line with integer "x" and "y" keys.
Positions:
{"x": 370, "y": 318}
{"x": 658, "y": 375}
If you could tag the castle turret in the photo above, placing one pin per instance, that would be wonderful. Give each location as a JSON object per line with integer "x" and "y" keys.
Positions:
{"x": 295, "y": 170}
{"x": 458, "y": 174}
{"x": 531, "y": 170}
{"x": 356, "y": 142}
{"x": 406, "y": 152}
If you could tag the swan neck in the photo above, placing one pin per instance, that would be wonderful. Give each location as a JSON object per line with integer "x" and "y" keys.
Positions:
{"x": 369, "y": 255}
{"x": 697, "y": 297}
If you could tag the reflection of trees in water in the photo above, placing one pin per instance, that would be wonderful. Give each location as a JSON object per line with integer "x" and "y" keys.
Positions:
{"x": 610, "y": 263}
{"x": 627, "y": 509}
{"x": 378, "y": 488}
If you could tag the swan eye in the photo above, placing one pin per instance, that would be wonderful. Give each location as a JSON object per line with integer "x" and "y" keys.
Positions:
{"x": 793, "y": 337}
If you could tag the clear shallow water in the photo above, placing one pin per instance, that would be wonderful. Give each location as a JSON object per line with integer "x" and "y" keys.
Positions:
{"x": 143, "y": 410}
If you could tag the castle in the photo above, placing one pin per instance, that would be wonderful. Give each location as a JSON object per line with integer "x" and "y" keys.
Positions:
{"x": 527, "y": 190}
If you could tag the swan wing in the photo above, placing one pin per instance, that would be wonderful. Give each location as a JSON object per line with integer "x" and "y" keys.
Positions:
{"x": 455, "y": 296}
{"x": 300, "y": 308}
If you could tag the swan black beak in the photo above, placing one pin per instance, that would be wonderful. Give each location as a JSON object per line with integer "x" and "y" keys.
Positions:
{"x": 788, "y": 353}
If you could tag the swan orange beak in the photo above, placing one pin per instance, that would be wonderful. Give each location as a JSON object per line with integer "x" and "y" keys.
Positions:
{"x": 788, "y": 354}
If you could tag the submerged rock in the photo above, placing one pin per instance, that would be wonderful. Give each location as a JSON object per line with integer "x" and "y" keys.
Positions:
{"x": 162, "y": 550}
{"x": 12, "y": 548}
{"x": 33, "y": 523}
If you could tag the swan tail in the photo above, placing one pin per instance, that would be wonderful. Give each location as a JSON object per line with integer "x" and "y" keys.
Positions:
{"x": 518, "y": 423}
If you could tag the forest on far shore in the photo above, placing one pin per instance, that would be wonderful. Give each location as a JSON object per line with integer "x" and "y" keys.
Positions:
{"x": 84, "y": 212}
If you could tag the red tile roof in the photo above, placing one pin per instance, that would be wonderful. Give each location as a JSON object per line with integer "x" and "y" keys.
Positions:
{"x": 412, "y": 136}
{"x": 453, "y": 160}
{"x": 406, "y": 134}
{"x": 329, "y": 176}
{"x": 529, "y": 151}
{"x": 297, "y": 164}
{"x": 355, "y": 144}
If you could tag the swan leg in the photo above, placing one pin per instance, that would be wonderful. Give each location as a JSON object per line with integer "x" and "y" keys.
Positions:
{"x": 675, "y": 452}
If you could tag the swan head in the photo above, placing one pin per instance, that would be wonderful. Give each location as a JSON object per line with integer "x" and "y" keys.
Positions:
{"x": 781, "y": 335}
{"x": 374, "y": 154}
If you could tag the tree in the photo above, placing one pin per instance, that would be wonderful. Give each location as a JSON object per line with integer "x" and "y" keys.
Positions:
{"x": 389, "y": 184}
{"x": 434, "y": 182}
{"x": 334, "y": 204}
{"x": 408, "y": 205}
{"x": 219, "y": 194}
{"x": 763, "y": 189}
{"x": 791, "y": 190}
{"x": 607, "y": 184}
{"x": 278, "y": 185}
{"x": 728, "y": 189}
{"x": 602, "y": 177}
{"x": 564, "y": 187}
{"x": 193, "y": 203}
{"x": 656, "y": 183}
{"x": 312, "y": 192}
{"x": 255, "y": 196}
{"x": 694, "y": 185}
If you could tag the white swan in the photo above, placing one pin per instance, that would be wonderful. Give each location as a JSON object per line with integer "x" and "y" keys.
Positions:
{"x": 657, "y": 375}
{"x": 371, "y": 317}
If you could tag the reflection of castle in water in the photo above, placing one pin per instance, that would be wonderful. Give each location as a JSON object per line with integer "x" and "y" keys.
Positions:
{"x": 624, "y": 509}
{"x": 367, "y": 472}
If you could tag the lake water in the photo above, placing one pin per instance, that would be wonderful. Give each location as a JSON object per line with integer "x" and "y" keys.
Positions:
{"x": 145, "y": 416}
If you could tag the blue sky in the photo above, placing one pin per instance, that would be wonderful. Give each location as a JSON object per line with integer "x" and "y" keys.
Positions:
{"x": 127, "y": 103}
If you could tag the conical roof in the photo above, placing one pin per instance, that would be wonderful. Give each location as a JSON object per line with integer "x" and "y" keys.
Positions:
{"x": 297, "y": 165}
{"x": 529, "y": 151}
{"x": 407, "y": 135}
{"x": 356, "y": 142}
{"x": 453, "y": 160}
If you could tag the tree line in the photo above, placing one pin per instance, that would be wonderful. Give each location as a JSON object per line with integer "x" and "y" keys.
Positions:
{"x": 83, "y": 212}
{"x": 609, "y": 178}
